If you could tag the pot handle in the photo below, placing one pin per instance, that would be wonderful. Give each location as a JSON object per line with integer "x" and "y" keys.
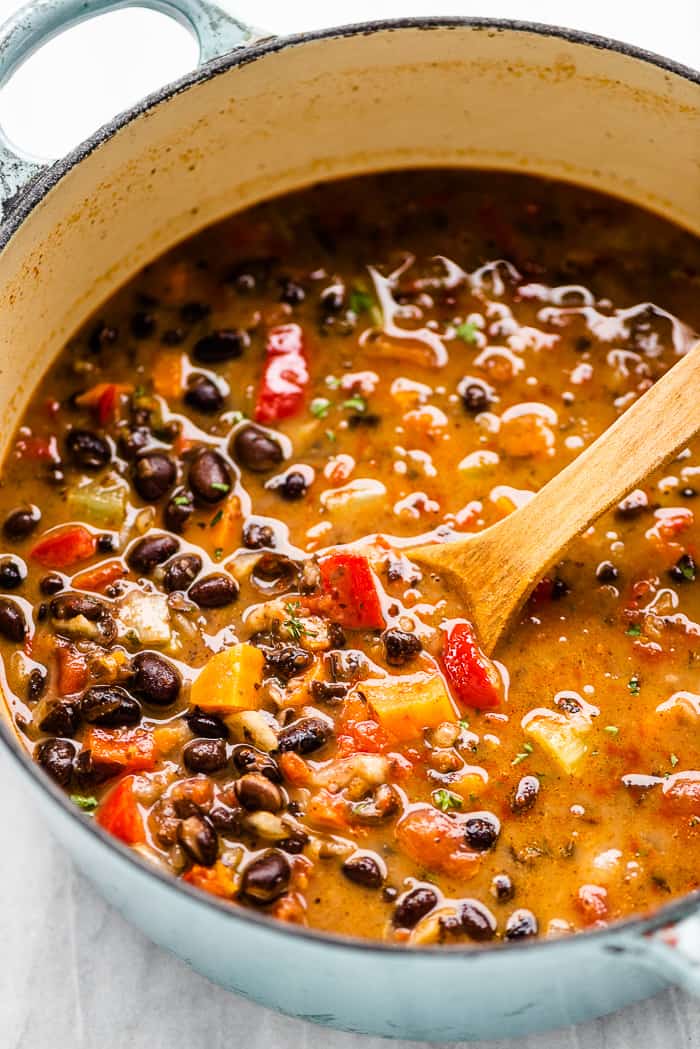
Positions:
{"x": 672, "y": 951}
{"x": 41, "y": 20}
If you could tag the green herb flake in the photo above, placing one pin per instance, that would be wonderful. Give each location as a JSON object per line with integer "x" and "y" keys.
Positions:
{"x": 84, "y": 802}
{"x": 467, "y": 332}
{"x": 293, "y": 624}
{"x": 236, "y": 417}
{"x": 524, "y": 754}
{"x": 218, "y": 553}
{"x": 674, "y": 760}
{"x": 463, "y": 723}
{"x": 320, "y": 407}
{"x": 332, "y": 382}
{"x": 356, "y": 403}
{"x": 216, "y": 518}
{"x": 330, "y": 436}
{"x": 688, "y": 571}
{"x": 445, "y": 800}
{"x": 181, "y": 500}
{"x": 633, "y": 685}
{"x": 360, "y": 301}
{"x": 219, "y": 486}
{"x": 634, "y": 630}
{"x": 139, "y": 391}
{"x": 612, "y": 730}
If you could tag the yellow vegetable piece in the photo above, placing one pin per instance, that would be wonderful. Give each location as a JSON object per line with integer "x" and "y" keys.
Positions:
{"x": 230, "y": 681}
{"x": 562, "y": 737}
{"x": 167, "y": 375}
{"x": 405, "y": 706}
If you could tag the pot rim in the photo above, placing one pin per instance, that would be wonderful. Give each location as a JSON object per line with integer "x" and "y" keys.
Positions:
{"x": 20, "y": 207}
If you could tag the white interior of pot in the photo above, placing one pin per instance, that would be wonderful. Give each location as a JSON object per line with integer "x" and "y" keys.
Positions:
{"x": 323, "y": 109}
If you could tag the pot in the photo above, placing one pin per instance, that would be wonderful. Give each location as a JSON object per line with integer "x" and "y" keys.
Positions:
{"x": 257, "y": 118}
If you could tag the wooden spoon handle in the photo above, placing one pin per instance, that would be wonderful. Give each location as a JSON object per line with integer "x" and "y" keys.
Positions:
{"x": 643, "y": 438}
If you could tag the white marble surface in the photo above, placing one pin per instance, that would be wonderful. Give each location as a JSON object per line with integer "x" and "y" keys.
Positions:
{"x": 74, "y": 975}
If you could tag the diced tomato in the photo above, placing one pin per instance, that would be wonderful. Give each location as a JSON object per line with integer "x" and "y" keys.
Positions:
{"x": 121, "y": 750}
{"x": 72, "y": 668}
{"x": 358, "y": 732}
{"x": 286, "y": 375}
{"x": 64, "y": 547}
{"x": 99, "y": 577}
{"x": 294, "y": 769}
{"x": 218, "y": 880}
{"x": 350, "y": 585}
{"x": 38, "y": 449}
{"x": 436, "y": 841}
{"x": 681, "y": 791}
{"x": 472, "y": 676}
{"x": 592, "y": 902}
{"x": 328, "y": 811}
{"x": 119, "y": 814}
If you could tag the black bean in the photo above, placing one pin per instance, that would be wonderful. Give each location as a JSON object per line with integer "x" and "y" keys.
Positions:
{"x": 226, "y": 820}
{"x": 51, "y": 583}
{"x": 305, "y": 735}
{"x": 71, "y": 605}
{"x": 684, "y": 570}
{"x": 132, "y": 442}
{"x": 256, "y": 450}
{"x": 633, "y": 504}
{"x": 248, "y": 759}
{"x": 208, "y": 726}
{"x": 502, "y": 888}
{"x": 689, "y": 493}
{"x": 181, "y": 572}
{"x": 296, "y": 841}
{"x": 400, "y": 647}
{"x": 266, "y": 877}
{"x": 477, "y": 921}
{"x": 414, "y": 906}
{"x": 481, "y": 832}
{"x": 333, "y": 298}
{"x": 257, "y": 793}
{"x": 606, "y": 572}
{"x": 351, "y": 665}
{"x": 249, "y": 274}
{"x": 150, "y": 551}
{"x": 153, "y": 474}
{"x": 21, "y": 522}
{"x": 62, "y": 718}
{"x": 88, "y": 450}
{"x": 569, "y": 702}
{"x": 13, "y": 624}
{"x": 368, "y": 420}
{"x": 257, "y": 535}
{"x": 293, "y": 294}
{"x": 210, "y": 476}
{"x": 102, "y": 337}
{"x": 56, "y": 757}
{"x": 143, "y": 325}
{"x": 13, "y": 572}
{"x": 204, "y": 755}
{"x": 292, "y": 486}
{"x": 521, "y": 923}
{"x": 107, "y": 543}
{"x": 363, "y": 870}
{"x": 41, "y": 612}
{"x": 214, "y": 591}
{"x": 173, "y": 337}
{"x": 525, "y": 794}
{"x": 36, "y": 683}
{"x": 477, "y": 396}
{"x": 286, "y": 661}
{"x": 559, "y": 589}
{"x": 110, "y": 705}
{"x": 179, "y": 510}
{"x": 197, "y": 836}
{"x": 204, "y": 395}
{"x": 194, "y": 312}
{"x": 274, "y": 572}
{"x": 220, "y": 346}
{"x": 331, "y": 692}
{"x": 154, "y": 679}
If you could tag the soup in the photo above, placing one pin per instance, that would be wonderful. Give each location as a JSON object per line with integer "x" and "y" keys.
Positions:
{"x": 212, "y": 636}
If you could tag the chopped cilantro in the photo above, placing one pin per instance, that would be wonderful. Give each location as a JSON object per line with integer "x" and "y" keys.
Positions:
{"x": 446, "y": 800}
{"x": 216, "y": 518}
{"x": 612, "y": 729}
{"x": 633, "y": 630}
{"x": 356, "y": 403}
{"x": 84, "y": 802}
{"x": 330, "y": 436}
{"x": 633, "y": 685}
{"x": 237, "y": 417}
{"x": 218, "y": 553}
{"x": 293, "y": 624}
{"x": 463, "y": 723}
{"x": 467, "y": 332}
{"x": 319, "y": 407}
{"x": 219, "y": 486}
{"x": 360, "y": 301}
{"x": 523, "y": 755}
{"x": 181, "y": 500}
{"x": 138, "y": 392}
{"x": 332, "y": 382}
{"x": 687, "y": 570}
{"x": 674, "y": 760}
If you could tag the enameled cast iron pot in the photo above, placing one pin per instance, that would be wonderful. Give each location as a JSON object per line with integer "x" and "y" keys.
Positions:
{"x": 257, "y": 118}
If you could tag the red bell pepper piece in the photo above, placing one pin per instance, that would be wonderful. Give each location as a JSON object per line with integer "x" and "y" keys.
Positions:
{"x": 72, "y": 668}
{"x": 38, "y": 449}
{"x": 285, "y": 377}
{"x": 472, "y": 676}
{"x": 99, "y": 577}
{"x": 121, "y": 750}
{"x": 64, "y": 547}
{"x": 119, "y": 814}
{"x": 349, "y": 584}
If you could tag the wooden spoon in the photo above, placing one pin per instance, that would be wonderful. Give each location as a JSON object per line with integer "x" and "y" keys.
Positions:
{"x": 496, "y": 569}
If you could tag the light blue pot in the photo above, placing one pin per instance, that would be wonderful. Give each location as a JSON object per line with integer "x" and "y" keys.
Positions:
{"x": 418, "y": 994}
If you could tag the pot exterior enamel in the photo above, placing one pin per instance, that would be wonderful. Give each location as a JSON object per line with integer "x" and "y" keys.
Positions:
{"x": 260, "y": 123}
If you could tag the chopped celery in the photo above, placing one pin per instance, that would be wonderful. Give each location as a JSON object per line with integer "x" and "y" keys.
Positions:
{"x": 101, "y": 503}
